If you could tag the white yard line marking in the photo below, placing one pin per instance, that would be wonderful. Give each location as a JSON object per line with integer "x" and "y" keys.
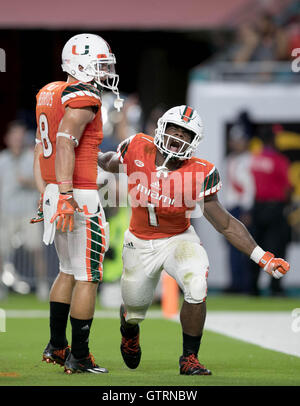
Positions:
{"x": 271, "y": 330}
{"x": 107, "y": 314}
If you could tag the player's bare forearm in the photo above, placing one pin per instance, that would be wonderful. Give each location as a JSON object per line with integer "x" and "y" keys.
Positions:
{"x": 233, "y": 230}
{"x": 238, "y": 235}
{"x": 64, "y": 164}
{"x": 109, "y": 161}
{"x": 39, "y": 182}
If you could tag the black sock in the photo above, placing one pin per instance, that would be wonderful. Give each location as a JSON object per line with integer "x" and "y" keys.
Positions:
{"x": 130, "y": 331}
{"x": 59, "y": 313}
{"x": 80, "y": 337}
{"x": 191, "y": 344}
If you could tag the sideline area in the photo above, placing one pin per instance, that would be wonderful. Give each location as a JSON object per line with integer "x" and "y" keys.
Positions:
{"x": 279, "y": 331}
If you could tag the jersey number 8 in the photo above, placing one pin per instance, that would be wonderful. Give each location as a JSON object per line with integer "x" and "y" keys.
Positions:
{"x": 44, "y": 131}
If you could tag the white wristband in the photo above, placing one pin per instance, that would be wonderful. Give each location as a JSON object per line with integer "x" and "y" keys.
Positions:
{"x": 37, "y": 141}
{"x": 257, "y": 254}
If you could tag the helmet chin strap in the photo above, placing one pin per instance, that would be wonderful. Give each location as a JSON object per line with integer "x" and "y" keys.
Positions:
{"x": 163, "y": 170}
{"x": 118, "y": 102}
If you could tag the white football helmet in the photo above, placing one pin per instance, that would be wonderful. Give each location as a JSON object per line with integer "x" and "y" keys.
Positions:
{"x": 88, "y": 57}
{"x": 183, "y": 116}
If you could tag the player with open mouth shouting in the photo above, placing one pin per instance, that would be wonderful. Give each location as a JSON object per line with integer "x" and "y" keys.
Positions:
{"x": 165, "y": 183}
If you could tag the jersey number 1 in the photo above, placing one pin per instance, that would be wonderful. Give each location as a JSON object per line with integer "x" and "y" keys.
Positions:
{"x": 153, "y": 220}
{"x": 44, "y": 131}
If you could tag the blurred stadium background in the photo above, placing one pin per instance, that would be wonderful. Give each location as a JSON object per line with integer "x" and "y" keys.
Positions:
{"x": 232, "y": 60}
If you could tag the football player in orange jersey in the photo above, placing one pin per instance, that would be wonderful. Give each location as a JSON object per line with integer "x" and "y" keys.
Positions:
{"x": 160, "y": 235}
{"x": 69, "y": 132}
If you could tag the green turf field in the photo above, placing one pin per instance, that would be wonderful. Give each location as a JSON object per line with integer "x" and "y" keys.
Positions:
{"x": 232, "y": 362}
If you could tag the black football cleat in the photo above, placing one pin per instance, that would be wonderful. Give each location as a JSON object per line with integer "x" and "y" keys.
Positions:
{"x": 191, "y": 366}
{"x": 130, "y": 346}
{"x": 54, "y": 355}
{"x": 87, "y": 364}
{"x": 131, "y": 351}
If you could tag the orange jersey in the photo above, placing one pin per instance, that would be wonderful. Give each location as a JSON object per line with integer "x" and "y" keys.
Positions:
{"x": 161, "y": 207}
{"x": 52, "y": 100}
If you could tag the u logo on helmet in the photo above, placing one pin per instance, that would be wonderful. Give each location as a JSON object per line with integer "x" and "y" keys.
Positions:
{"x": 187, "y": 114}
{"x": 86, "y": 50}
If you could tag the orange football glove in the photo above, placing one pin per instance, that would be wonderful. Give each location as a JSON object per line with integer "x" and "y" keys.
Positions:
{"x": 276, "y": 267}
{"x": 66, "y": 208}
{"x": 40, "y": 214}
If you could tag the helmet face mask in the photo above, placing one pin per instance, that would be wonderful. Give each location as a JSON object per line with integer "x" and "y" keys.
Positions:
{"x": 186, "y": 118}
{"x": 103, "y": 73}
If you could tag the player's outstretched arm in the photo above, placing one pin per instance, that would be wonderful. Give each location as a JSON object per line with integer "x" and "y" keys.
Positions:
{"x": 109, "y": 161}
{"x": 232, "y": 229}
{"x": 237, "y": 234}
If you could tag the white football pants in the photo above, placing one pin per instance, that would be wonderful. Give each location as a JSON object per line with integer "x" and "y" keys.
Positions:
{"x": 181, "y": 256}
{"x": 80, "y": 252}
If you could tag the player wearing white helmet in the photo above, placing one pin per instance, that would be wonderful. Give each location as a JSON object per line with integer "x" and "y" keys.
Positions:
{"x": 185, "y": 117}
{"x": 88, "y": 58}
{"x": 168, "y": 143}
{"x": 165, "y": 183}
{"x": 69, "y": 132}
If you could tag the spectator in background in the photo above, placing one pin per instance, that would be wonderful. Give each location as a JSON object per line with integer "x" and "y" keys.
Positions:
{"x": 293, "y": 31}
{"x": 238, "y": 195}
{"x": 18, "y": 200}
{"x": 270, "y": 229}
{"x": 262, "y": 41}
